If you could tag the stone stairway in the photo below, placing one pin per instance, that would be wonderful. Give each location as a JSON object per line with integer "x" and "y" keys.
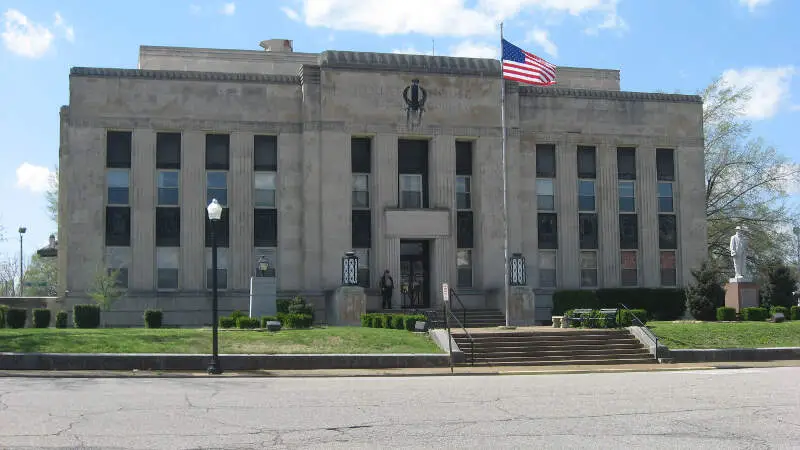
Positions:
{"x": 480, "y": 318}
{"x": 546, "y": 348}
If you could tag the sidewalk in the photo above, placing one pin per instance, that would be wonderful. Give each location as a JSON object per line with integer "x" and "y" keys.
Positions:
{"x": 460, "y": 371}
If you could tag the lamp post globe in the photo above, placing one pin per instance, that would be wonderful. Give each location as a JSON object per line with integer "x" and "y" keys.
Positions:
{"x": 214, "y": 210}
{"x": 214, "y": 214}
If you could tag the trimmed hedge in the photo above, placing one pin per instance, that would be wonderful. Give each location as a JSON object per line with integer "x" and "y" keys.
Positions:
{"x": 779, "y": 309}
{"x": 794, "y": 313}
{"x": 726, "y": 314}
{"x": 296, "y": 321}
{"x": 15, "y": 317}
{"x": 755, "y": 314}
{"x": 61, "y": 319}
{"x": 3, "y": 311}
{"x": 625, "y": 318}
{"x": 227, "y": 322}
{"x": 153, "y": 318}
{"x": 86, "y": 316}
{"x": 247, "y": 323}
{"x": 41, "y": 318}
{"x": 393, "y": 321}
{"x": 661, "y": 304}
{"x": 266, "y": 319}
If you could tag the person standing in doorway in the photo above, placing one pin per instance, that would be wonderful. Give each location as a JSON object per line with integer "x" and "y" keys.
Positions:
{"x": 387, "y": 286}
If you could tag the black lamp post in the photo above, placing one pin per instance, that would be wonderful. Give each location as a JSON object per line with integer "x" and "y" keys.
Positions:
{"x": 22, "y": 231}
{"x": 350, "y": 269}
{"x": 214, "y": 214}
{"x": 517, "y": 270}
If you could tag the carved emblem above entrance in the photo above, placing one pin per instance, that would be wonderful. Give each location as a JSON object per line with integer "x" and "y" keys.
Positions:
{"x": 415, "y": 97}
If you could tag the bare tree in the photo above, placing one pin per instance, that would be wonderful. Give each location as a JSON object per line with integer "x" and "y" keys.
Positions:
{"x": 51, "y": 196}
{"x": 9, "y": 271}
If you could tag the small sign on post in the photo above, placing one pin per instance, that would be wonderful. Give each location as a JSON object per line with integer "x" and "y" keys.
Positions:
{"x": 445, "y": 292}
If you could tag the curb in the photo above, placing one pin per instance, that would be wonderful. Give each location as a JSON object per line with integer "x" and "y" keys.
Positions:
{"x": 734, "y": 354}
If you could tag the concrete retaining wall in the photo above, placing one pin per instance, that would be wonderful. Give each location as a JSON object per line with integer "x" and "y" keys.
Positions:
{"x": 114, "y": 361}
{"x": 733, "y": 354}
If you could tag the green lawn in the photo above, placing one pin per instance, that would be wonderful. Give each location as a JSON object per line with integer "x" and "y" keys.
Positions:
{"x": 727, "y": 335}
{"x": 141, "y": 340}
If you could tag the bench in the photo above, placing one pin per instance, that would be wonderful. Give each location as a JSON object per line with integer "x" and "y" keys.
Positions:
{"x": 580, "y": 316}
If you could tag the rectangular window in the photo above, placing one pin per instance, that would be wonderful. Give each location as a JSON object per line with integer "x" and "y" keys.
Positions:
{"x": 221, "y": 230}
{"x": 665, "y": 202}
{"x": 265, "y": 153}
{"x": 361, "y": 228}
{"x": 627, "y": 196}
{"x": 665, "y": 164}
{"x": 545, "y": 195}
{"x": 586, "y": 195}
{"x": 630, "y": 269}
{"x": 168, "y": 227}
{"x": 168, "y": 151}
{"x": 217, "y": 187}
{"x": 118, "y": 185}
{"x": 167, "y": 263}
{"x": 587, "y": 167}
{"x": 117, "y": 260}
{"x": 465, "y": 236}
{"x": 265, "y": 227}
{"x": 217, "y": 152}
{"x": 360, "y": 155}
{"x": 264, "y": 194}
{"x": 364, "y": 274}
{"x": 587, "y": 224}
{"x": 628, "y": 231}
{"x": 626, "y": 163}
{"x": 122, "y": 276}
{"x": 669, "y": 273}
{"x": 222, "y": 269}
{"x": 463, "y": 192}
{"x": 464, "y": 268}
{"x": 118, "y": 226}
{"x": 545, "y": 161}
{"x": 168, "y": 188}
{"x": 667, "y": 232}
{"x": 360, "y": 191}
{"x": 547, "y": 269}
{"x": 548, "y": 230}
{"x": 588, "y": 269}
{"x": 118, "y": 149}
{"x": 410, "y": 191}
{"x": 463, "y": 157}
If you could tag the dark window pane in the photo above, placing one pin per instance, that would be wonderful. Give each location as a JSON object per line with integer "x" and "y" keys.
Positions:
{"x": 665, "y": 164}
{"x": 545, "y": 160}
{"x": 628, "y": 231}
{"x": 626, "y": 163}
{"x": 464, "y": 277}
{"x": 168, "y": 227}
{"x": 463, "y": 157}
{"x": 222, "y": 278}
{"x": 630, "y": 277}
{"x": 217, "y": 151}
{"x": 588, "y": 277}
{"x": 586, "y": 162}
{"x": 360, "y": 155}
{"x": 587, "y": 223}
{"x": 412, "y": 156}
{"x": 118, "y": 196}
{"x": 168, "y": 196}
{"x": 465, "y": 237}
{"x": 118, "y": 149}
{"x": 548, "y": 230}
{"x": 265, "y": 227}
{"x": 667, "y": 232}
{"x": 665, "y": 204}
{"x": 221, "y": 229}
{"x": 118, "y": 226}
{"x": 361, "y": 228}
{"x": 167, "y": 278}
{"x": 168, "y": 151}
{"x": 265, "y": 153}
{"x": 122, "y": 276}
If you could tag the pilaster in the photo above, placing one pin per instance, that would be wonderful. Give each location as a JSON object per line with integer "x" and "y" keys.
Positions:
{"x": 392, "y": 245}
{"x": 690, "y": 204}
{"x": 143, "y": 210}
{"x": 646, "y": 199}
{"x": 384, "y": 195}
{"x": 567, "y": 207}
{"x": 290, "y": 212}
{"x": 608, "y": 217}
{"x": 488, "y": 188}
{"x": 336, "y": 205}
{"x": 443, "y": 195}
{"x": 240, "y": 201}
{"x": 193, "y": 210}
{"x": 526, "y": 203}
{"x": 312, "y": 179}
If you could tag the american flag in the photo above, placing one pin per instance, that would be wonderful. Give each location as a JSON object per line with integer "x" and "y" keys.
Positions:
{"x": 525, "y": 67}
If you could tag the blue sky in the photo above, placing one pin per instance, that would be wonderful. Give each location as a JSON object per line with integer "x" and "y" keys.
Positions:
{"x": 675, "y": 45}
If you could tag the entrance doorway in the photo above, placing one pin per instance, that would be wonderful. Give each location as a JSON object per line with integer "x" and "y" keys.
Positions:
{"x": 415, "y": 273}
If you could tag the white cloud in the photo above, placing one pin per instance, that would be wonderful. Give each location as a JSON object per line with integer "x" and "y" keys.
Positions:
{"x": 753, "y": 4}
{"x": 468, "y": 49}
{"x": 228, "y": 9}
{"x": 291, "y": 14}
{"x": 443, "y": 17}
{"x": 23, "y": 37}
{"x": 541, "y": 38}
{"x": 770, "y": 88}
{"x": 33, "y": 178}
{"x": 68, "y": 30}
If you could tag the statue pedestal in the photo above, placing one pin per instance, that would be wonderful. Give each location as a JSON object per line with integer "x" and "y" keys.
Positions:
{"x": 349, "y": 303}
{"x": 741, "y": 294}
{"x": 521, "y": 306}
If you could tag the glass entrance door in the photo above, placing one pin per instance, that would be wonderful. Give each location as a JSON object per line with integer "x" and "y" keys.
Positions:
{"x": 414, "y": 274}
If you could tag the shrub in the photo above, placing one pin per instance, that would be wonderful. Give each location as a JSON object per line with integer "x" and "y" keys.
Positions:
{"x": 61, "y": 319}
{"x": 661, "y": 303}
{"x": 377, "y": 320}
{"x": 15, "y": 317}
{"x": 779, "y": 309}
{"x": 706, "y": 294}
{"x": 366, "y": 320}
{"x": 726, "y": 314}
{"x": 298, "y": 305}
{"x": 282, "y": 305}
{"x": 564, "y": 301}
{"x": 227, "y": 322}
{"x": 153, "y": 318}
{"x": 86, "y": 316}
{"x": 247, "y": 323}
{"x": 755, "y": 314}
{"x": 412, "y": 319}
{"x": 777, "y": 291}
{"x": 41, "y": 318}
{"x": 266, "y": 319}
{"x": 3, "y": 311}
{"x": 236, "y": 314}
{"x": 794, "y": 313}
{"x": 625, "y": 318}
{"x": 298, "y": 320}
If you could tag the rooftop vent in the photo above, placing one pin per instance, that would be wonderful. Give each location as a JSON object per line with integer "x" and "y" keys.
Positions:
{"x": 277, "y": 45}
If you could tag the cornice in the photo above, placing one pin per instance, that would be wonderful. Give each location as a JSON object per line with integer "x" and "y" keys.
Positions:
{"x": 395, "y": 62}
{"x": 100, "y": 72}
{"x": 536, "y": 91}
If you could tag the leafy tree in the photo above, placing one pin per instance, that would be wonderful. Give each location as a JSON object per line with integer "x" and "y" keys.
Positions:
{"x": 105, "y": 290}
{"x": 41, "y": 271}
{"x": 706, "y": 294}
{"x": 9, "y": 271}
{"x": 777, "y": 291}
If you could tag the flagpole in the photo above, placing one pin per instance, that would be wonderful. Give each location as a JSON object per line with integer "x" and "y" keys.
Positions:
{"x": 505, "y": 180}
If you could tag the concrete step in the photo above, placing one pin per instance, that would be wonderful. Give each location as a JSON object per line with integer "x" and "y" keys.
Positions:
{"x": 553, "y": 350}
{"x": 544, "y": 334}
{"x": 547, "y": 343}
{"x": 567, "y": 362}
{"x": 560, "y": 357}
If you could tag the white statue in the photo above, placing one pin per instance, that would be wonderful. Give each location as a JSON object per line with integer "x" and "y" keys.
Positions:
{"x": 739, "y": 255}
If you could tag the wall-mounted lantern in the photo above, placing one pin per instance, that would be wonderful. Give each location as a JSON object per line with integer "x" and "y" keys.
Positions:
{"x": 350, "y": 269}
{"x": 517, "y": 271}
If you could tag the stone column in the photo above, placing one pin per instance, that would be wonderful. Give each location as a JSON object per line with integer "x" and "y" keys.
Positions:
{"x": 193, "y": 210}
{"x": 527, "y": 205}
{"x": 336, "y": 204}
{"x": 608, "y": 217}
{"x": 384, "y": 195}
{"x": 143, "y": 210}
{"x": 488, "y": 193}
{"x": 646, "y": 199}
{"x": 443, "y": 195}
{"x": 290, "y": 212}
{"x": 240, "y": 201}
{"x": 312, "y": 177}
{"x": 393, "y": 264}
{"x": 690, "y": 204}
{"x": 567, "y": 207}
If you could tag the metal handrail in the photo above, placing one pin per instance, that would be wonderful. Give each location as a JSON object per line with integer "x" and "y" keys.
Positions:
{"x": 647, "y": 331}
{"x": 463, "y": 308}
{"x": 449, "y": 312}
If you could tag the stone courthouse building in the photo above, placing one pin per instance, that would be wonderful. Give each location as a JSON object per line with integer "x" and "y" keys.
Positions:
{"x": 395, "y": 157}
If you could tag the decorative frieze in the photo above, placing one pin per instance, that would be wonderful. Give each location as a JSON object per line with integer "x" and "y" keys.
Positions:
{"x": 102, "y": 72}
{"x": 537, "y": 91}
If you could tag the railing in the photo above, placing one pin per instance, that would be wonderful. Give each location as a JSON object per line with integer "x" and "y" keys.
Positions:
{"x": 463, "y": 308}
{"x": 449, "y": 313}
{"x": 635, "y": 321}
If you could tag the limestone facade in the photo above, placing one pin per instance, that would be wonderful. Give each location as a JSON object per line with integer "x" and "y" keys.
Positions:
{"x": 313, "y": 112}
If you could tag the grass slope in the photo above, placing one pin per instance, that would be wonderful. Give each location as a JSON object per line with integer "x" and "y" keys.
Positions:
{"x": 727, "y": 334}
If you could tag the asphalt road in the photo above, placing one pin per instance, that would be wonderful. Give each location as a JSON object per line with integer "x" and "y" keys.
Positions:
{"x": 730, "y": 409}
